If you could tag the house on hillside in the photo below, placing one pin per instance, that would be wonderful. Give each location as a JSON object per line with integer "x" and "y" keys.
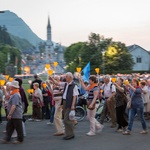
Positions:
{"x": 141, "y": 58}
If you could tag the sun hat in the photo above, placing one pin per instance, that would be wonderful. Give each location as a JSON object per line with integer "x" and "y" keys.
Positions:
{"x": 14, "y": 84}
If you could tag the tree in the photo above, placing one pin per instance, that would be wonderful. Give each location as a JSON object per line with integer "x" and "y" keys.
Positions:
{"x": 9, "y": 56}
{"x": 116, "y": 55}
{"x": 4, "y": 36}
{"x": 117, "y": 58}
{"x": 72, "y": 56}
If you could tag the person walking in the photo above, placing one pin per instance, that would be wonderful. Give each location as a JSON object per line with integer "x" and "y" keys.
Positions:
{"x": 57, "y": 92}
{"x": 69, "y": 98}
{"x": 93, "y": 93}
{"x": 137, "y": 107}
{"x": 121, "y": 102}
{"x": 69, "y": 101}
{"x": 14, "y": 116}
{"x": 146, "y": 99}
{"x": 1, "y": 100}
{"x": 46, "y": 101}
{"x": 109, "y": 91}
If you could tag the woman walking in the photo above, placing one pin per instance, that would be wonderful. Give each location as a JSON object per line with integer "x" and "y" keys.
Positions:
{"x": 121, "y": 102}
{"x": 93, "y": 92}
{"x": 137, "y": 107}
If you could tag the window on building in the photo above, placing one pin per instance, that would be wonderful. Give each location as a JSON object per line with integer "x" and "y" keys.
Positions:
{"x": 139, "y": 60}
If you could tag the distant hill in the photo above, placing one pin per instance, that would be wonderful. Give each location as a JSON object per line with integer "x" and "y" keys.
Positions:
{"x": 22, "y": 44}
{"x": 17, "y": 27}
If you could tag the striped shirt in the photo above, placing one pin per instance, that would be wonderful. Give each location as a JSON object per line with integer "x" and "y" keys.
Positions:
{"x": 90, "y": 93}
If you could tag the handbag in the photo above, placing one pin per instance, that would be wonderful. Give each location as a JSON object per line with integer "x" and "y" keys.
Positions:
{"x": 89, "y": 103}
{"x": 129, "y": 101}
{"x": 37, "y": 102}
{"x": 129, "y": 104}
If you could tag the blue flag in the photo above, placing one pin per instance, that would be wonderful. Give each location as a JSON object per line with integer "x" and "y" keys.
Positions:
{"x": 86, "y": 72}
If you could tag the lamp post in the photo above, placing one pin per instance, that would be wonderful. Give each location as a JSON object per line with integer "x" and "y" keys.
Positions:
{"x": 97, "y": 70}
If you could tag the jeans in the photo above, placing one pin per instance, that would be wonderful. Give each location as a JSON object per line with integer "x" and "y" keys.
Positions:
{"x": 52, "y": 114}
{"x": 45, "y": 110}
{"x": 140, "y": 113}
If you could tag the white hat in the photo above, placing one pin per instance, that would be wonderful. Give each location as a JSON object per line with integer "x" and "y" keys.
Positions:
{"x": 14, "y": 84}
{"x": 8, "y": 83}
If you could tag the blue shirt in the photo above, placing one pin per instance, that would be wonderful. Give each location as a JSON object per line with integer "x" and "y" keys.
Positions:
{"x": 136, "y": 98}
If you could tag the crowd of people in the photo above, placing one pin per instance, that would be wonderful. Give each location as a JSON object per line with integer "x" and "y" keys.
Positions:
{"x": 56, "y": 98}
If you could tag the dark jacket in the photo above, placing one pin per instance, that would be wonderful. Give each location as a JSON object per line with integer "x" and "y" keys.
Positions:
{"x": 69, "y": 95}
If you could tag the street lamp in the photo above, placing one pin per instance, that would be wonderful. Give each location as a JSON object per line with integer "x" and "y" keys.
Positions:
{"x": 103, "y": 62}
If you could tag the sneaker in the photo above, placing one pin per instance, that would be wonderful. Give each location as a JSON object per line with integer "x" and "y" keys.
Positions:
{"x": 49, "y": 123}
{"x": 144, "y": 132}
{"x": 37, "y": 120}
{"x": 16, "y": 142}
{"x": 90, "y": 134}
{"x": 120, "y": 130}
{"x": 30, "y": 119}
{"x": 4, "y": 141}
{"x": 100, "y": 128}
{"x": 127, "y": 132}
{"x": 58, "y": 134}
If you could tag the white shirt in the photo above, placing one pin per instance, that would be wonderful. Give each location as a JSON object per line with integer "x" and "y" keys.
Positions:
{"x": 109, "y": 89}
{"x": 75, "y": 90}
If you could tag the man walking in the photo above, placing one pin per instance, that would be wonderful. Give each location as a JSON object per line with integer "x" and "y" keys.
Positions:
{"x": 69, "y": 98}
{"x": 109, "y": 105}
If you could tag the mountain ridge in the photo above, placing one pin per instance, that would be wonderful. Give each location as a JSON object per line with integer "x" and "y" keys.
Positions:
{"x": 17, "y": 27}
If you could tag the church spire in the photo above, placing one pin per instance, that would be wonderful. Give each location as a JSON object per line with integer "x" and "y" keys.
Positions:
{"x": 48, "y": 30}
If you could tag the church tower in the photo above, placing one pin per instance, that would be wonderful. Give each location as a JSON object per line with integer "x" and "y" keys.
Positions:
{"x": 49, "y": 44}
{"x": 48, "y": 30}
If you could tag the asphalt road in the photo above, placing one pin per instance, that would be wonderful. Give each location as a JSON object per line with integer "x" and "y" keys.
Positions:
{"x": 40, "y": 137}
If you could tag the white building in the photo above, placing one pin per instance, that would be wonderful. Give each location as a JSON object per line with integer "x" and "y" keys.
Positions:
{"x": 54, "y": 51}
{"x": 141, "y": 58}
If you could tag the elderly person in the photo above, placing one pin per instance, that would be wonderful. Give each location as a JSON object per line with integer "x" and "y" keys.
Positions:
{"x": 146, "y": 99}
{"x": 93, "y": 92}
{"x": 57, "y": 97}
{"x": 37, "y": 103}
{"x": 1, "y": 100}
{"x": 14, "y": 114}
{"x": 121, "y": 102}
{"x": 137, "y": 107}
{"x": 109, "y": 91}
{"x": 69, "y": 97}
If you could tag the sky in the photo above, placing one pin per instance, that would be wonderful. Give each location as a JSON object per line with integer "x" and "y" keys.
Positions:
{"x": 72, "y": 21}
